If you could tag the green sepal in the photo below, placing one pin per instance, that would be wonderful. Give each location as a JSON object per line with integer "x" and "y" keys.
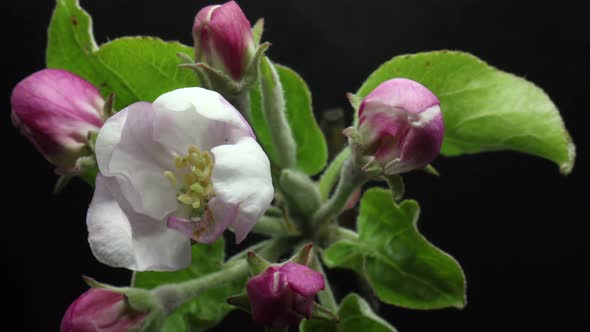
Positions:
{"x": 108, "y": 108}
{"x": 240, "y": 301}
{"x": 303, "y": 255}
{"x": 354, "y": 100}
{"x": 431, "y": 170}
{"x": 251, "y": 73}
{"x": 185, "y": 58}
{"x": 320, "y": 312}
{"x": 356, "y": 315}
{"x": 138, "y": 299}
{"x": 257, "y": 30}
{"x": 257, "y": 264}
{"x": 216, "y": 79}
{"x": 396, "y": 184}
{"x": 61, "y": 183}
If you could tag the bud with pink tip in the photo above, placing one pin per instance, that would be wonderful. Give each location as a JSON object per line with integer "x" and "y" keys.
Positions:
{"x": 223, "y": 39}
{"x": 101, "y": 310}
{"x": 57, "y": 111}
{"x": 400, "y": 126}
{"x": 282, "y": 295}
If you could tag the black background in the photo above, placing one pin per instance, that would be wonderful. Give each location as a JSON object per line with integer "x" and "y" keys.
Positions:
{"x": 514, "y": 223}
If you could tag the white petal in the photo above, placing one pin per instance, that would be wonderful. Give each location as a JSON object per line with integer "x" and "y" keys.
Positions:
{"x": 108, "y": 138}
{"x": 120, "y": 237}
{"x": 196, "y": 116}
{"x": 139, "y": 163}
{"x": 241, "y": 176}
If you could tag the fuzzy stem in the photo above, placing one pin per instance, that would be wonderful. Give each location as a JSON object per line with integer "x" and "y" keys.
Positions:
{"x": 325, "y": 296}
{"x": 172, "y": 296}
{"x": 351, "y": 178}
{"x": 242, "y": 103}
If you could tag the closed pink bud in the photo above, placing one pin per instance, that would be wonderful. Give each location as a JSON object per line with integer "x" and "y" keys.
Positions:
{"x": 401, "y": 125}
{"x": 57, "y": 110}
{"x": 223, "y": 39}
{"x": 101, "y": 310}
{"x": 282, "y": 296}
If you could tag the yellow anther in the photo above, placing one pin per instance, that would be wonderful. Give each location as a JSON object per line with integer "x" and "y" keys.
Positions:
{"x": 195, "y": 159}
{"x": 202, "y": 174}
{"x": 193, "y": 149}
{"x": 189, "y": 179}
{"x": 171, "y": 178}
{"x": 195, "y": 168}
{"x": 185, "y": 199}
{"x": 179, "y": 162}
{"x": 196, "y": 204}
{"x": 197, "y": 188}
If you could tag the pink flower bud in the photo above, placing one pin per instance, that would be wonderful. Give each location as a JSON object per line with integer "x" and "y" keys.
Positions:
{"x": 401, "y": 125}
{"x": 223, "y": 39}
{"x": 282, "y": 296}
{"x": 101, "y": 310}
{"x": 57, "y": 110}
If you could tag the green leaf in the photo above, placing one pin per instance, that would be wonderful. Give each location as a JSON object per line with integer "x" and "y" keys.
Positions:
{"x": 484, "y": 109}
{"x": 355, "y": 315}
{"x": 207, "y": 309}
{"x": 134, "y": 68}
{"x": 312, "y": 151}
{"x": 400, "y": 265}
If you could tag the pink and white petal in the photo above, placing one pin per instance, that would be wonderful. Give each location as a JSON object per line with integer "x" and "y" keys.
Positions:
{"x": 196, "y": 116}
{"x": 121, "y": 238}
{"x": 303, "y": 280}
{"x": 217, "y": 219}
{"x": 212, "y": 224}
{"x": 108, "y": 138}
{"x": 139, "y": 163}
{"x": 241, "y": 176}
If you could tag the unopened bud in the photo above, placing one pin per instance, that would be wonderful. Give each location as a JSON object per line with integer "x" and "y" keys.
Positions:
{"x": 57, "y": 111}
{"x": 400, "y": 127}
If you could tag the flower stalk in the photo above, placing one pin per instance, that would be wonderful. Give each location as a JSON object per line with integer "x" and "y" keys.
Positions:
{"x": 172, "y": 296}
{"x": 352, "y": 177}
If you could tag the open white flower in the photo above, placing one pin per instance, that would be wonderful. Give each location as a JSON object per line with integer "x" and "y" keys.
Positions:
{"x": 186, "y": 166}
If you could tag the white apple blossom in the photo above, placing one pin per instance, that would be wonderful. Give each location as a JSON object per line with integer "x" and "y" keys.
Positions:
{"x": 186, "y": 166}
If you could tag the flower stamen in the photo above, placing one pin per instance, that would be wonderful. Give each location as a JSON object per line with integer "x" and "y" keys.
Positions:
{"x": 195, "y": 168}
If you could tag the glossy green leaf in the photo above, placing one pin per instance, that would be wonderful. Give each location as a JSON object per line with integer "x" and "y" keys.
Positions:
{"x": 400, "y": 265}
{"x": 134, "y": 68}
{"x": 355, "y": 315}
{"x": 312, "y": 151}
{"x": 484, "y": 109}
{"x": 207, "y": 309}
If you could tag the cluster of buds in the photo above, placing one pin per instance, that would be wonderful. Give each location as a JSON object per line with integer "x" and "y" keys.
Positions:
{"x": 400, "y": 128}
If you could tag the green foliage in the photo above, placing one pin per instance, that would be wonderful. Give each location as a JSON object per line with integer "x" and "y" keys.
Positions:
{"x": 400, "y": 265}
{"x": 134, "y": 68}
{"x": 484, "y": 109}
{"x": 205, "y": 310}
{"x": 312, "y": 151}
{"x": 355, "y": 315}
